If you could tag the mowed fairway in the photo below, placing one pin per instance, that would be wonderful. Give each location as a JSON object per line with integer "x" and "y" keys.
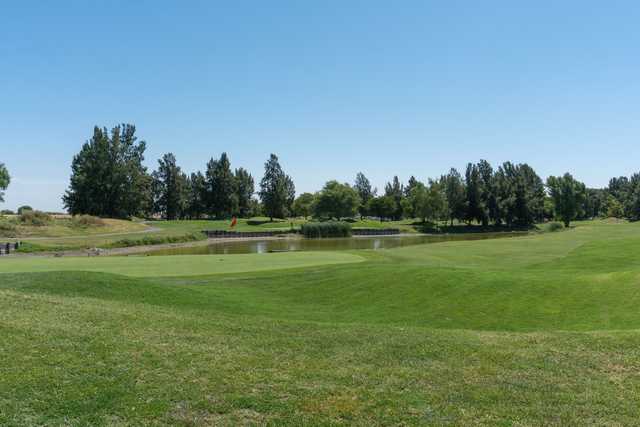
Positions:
{"x": 538, "y": 330}
{"x": 185, "y": 265}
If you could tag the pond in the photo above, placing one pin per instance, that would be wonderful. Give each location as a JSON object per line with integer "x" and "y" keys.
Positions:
{"x": 349, "y": 243}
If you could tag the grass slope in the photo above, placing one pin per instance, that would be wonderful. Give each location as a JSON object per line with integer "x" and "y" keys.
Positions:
{"x": 541, "y": 330}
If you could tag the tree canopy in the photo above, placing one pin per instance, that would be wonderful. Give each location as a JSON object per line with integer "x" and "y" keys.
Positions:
{"x": 108, "y": 178}
{"x": 170, "y": 189}
{"x": 365, "y": 192}
{"x": 336, "y": 200}
{"x": 303, "y": 205}
{"x": 567, "y": 195}
{"x": 5, "y": 180}
{"x": 277, "y": 191}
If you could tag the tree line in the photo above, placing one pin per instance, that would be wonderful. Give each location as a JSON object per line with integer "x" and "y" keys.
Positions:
{"x": 109, "y": 179}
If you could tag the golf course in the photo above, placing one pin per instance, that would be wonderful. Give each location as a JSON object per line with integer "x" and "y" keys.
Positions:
{"x": 542, "y": 329}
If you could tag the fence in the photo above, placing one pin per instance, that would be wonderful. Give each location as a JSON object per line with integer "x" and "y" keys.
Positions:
{"x": 216, "y": 234}
{"x": 219, "y": 234}
{"x": 374, "y": 231}
{"x": 7, "y": 248}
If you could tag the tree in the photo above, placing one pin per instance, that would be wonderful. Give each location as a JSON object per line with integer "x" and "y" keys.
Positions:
{"x": 488, "y": 193}
{"x": 5, "y": 180}
{"x": 626, "y": 192}
{"x": 475, "y": 208}
{"x": 395, "y": 190}
{"x": 594, "y": 203}
{"x": 290, "y": 192}
{"x": 277, "y": 191}
{"x": 108, "y": 178}
{"x": 244, "y": 191}
{"x": 221, "y": 199}
{"x": 384, "y": 207}
{"x": 337, "y": 201}
{"x": 520, "y": 195}
{"x": 366, "y": 193}
{"x": 23, "y": 209}
{"x": 614, "y": 208}
{"x": 197, "y": 204}
{"x": 410, "y": 185}
{"x": 427, "y": 202}
{"x": 567, "y": 195}
{"x": 530, "y": 196}
{"x": 619, "y": 188}
{"x": 170, "y": 189}
{"x": 455, "y": 195}
{"x": 415, "y": 195}
{"x": 303, "y": 205}
{"x": 632, "y": 205}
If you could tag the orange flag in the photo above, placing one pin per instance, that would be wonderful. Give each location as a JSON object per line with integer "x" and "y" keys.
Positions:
{"x": 234, "y": 221}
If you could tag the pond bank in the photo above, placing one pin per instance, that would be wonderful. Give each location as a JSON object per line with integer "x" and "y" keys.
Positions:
{"x": 278, "y": 243}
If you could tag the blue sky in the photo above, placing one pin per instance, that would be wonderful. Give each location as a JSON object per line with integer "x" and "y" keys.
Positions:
{"x": 332, "y": 87}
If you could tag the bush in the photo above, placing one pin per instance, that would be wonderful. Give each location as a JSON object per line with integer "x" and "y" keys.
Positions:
{"x": 6, "y": 212}
{"x": 85, "y": 221}
{"x": 34, "y": 218}
{"x": 258, "y": 221}
{"x": 555, "y": 226}
{"x": 326, "y": 229}
{"x": 156, "y": 240}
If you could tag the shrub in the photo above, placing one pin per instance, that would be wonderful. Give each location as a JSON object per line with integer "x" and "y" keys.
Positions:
{"x": 34, "y": 218}
{"x": 555, "y": 226}
{"x": 156, "y": 240}
{"x": 326, "y": 229}
{"x": 258, "y": 221}
{"x": 84, "y": 221}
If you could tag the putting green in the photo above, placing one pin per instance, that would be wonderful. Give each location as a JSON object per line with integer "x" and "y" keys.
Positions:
{"x": 178, "y": 265}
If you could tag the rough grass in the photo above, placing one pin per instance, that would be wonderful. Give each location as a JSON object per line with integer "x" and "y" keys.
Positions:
{"x": 539, "y": 330}
{"x": 65, "y": 229}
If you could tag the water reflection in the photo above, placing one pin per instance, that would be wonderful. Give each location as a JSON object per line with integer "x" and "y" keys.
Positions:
{"x": 299, "y": 244}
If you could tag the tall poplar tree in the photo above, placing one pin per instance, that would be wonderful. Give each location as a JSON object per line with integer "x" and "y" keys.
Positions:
{"x": 197, "y": 204}
{"x": 170, "y": 188}
{"x": 244, "y": 191}
{"x": 366, "y": 193}
{"x": 455, "y": 195}
{"x": 395, "y": 190}
{"x": 220, "y": 182}
{"x": 277, "y": 191}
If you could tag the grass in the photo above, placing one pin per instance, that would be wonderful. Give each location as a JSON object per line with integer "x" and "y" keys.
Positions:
{"x": 536, "y": 330}
{"x": 178, "y": 265}
{"x": 68, "y": 227}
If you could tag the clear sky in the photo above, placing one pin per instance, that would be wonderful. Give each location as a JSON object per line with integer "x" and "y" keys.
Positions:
{"x": 332, "y": 87}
